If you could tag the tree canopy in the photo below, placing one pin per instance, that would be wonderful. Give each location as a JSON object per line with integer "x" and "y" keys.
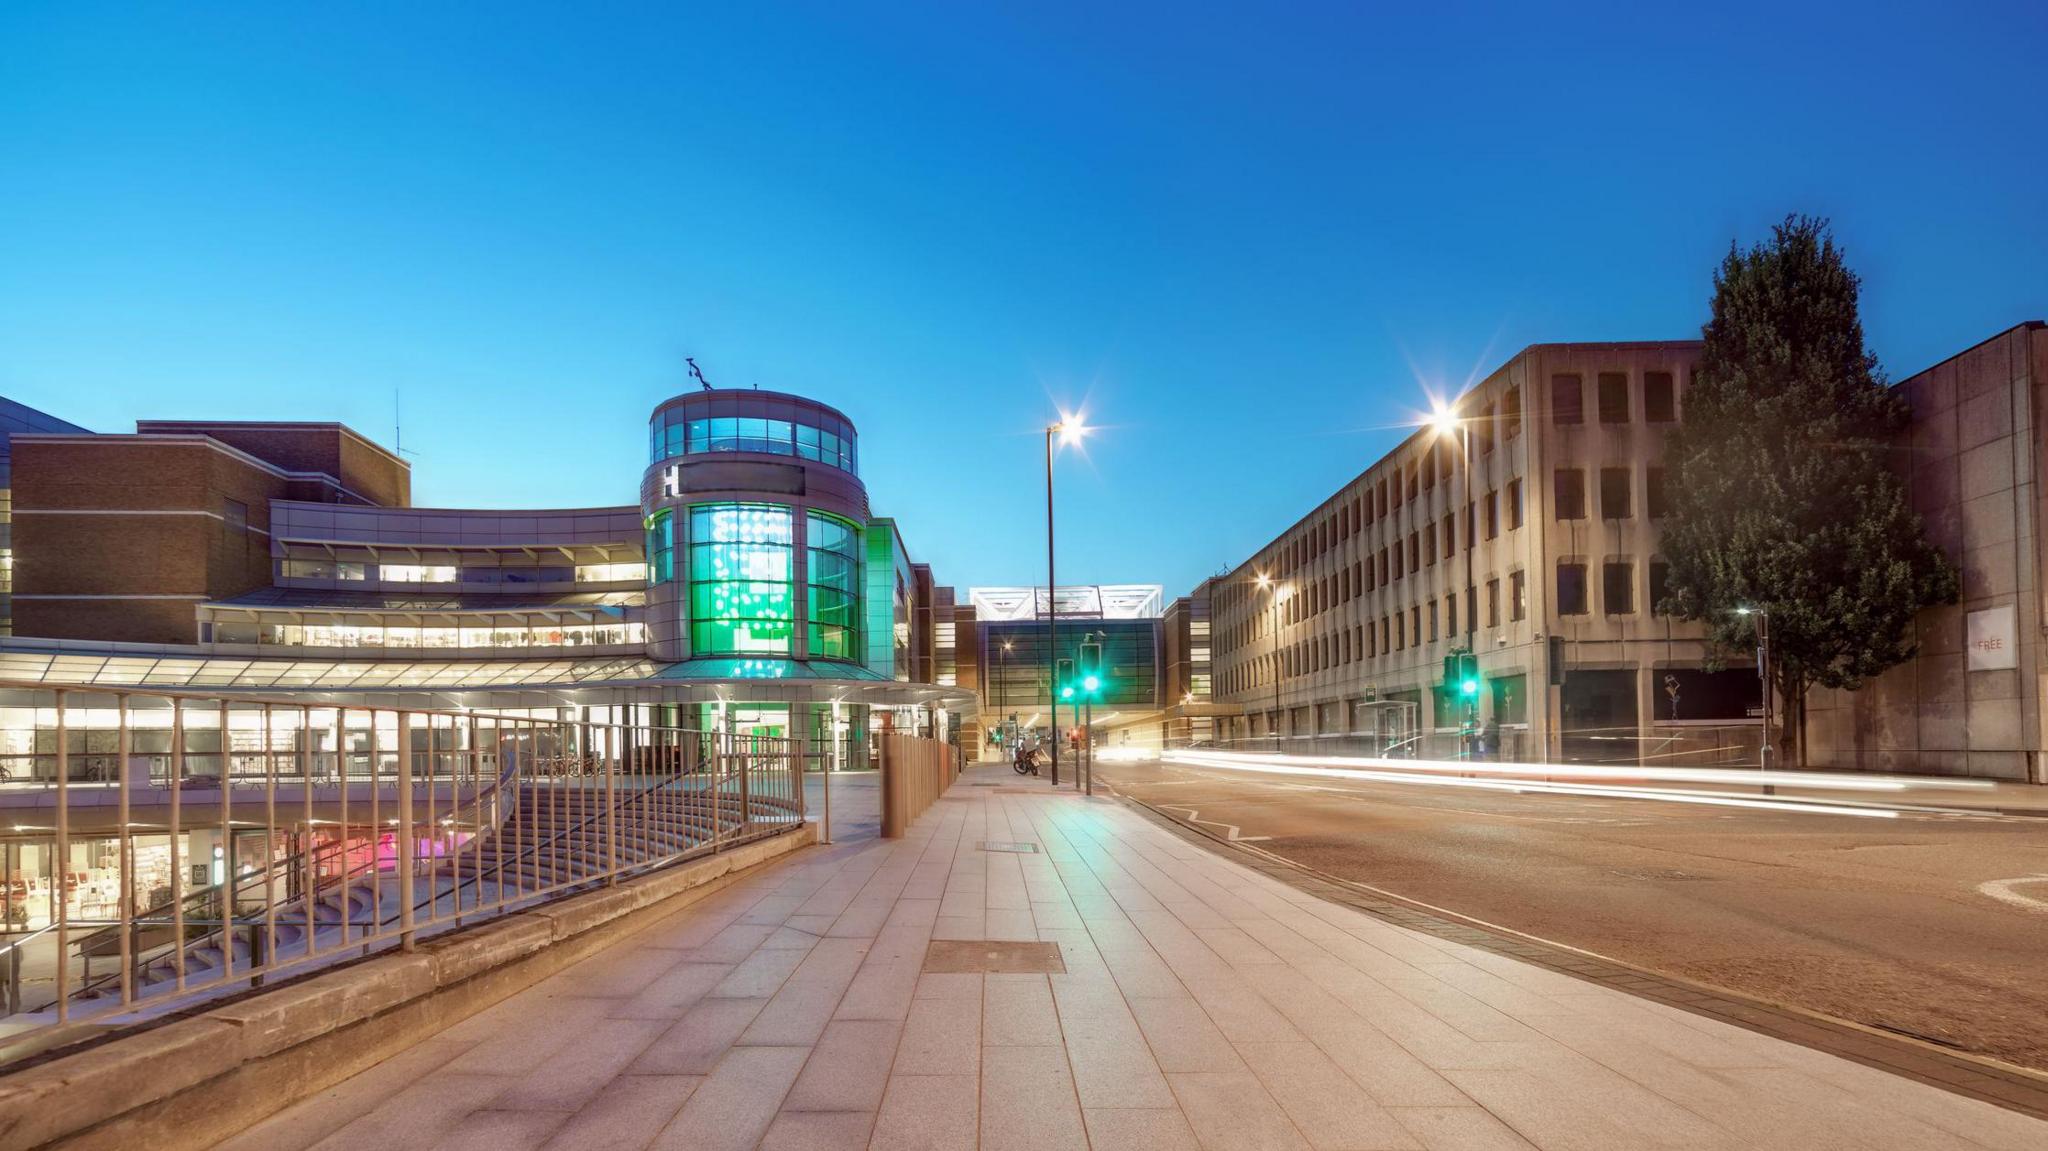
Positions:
{"x": 1783, "y": 493}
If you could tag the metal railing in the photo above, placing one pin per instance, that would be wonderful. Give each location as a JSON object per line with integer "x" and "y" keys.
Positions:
{"x": 337, "y": 830}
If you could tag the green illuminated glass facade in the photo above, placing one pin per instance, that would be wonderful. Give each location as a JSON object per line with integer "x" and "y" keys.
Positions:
{"x": 833, "y": 561}
{"x": 741, "y": 599}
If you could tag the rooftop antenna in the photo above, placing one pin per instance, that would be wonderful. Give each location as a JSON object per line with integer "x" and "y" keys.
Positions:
{"x": 696, "y": 372}
{"x": 398, "y": 425}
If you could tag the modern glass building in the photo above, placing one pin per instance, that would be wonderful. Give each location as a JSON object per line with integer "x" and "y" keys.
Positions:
{"x": 748, "y": 587}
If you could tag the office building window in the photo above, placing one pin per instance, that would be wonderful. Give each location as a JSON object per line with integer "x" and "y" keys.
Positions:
{"x": 1482, "y": 432}
{"x": 1618, "y": 588}
{"x": 1415, "y": 621}
{"x": 1660, "y": 574}
{"x": 1518, "y": 596}
{"x": 1493, "y": 603}
{"x": 1514, "y": 504}
{"x": 1414, "y": 551}
{"x": 1511, "y": 414}
{"x": 1567, "y": 400}
{"x": 1614, "y": 493}
{"x": 1451, "y": 614}
{"x": 1492, "y": 514}
{"x": 1400, "y": 632}
{"x": 1571, "y": 589}
{"x": 1570, "y": 494}
{"x": 1660, "y": 398}
{"x": 1450, "y": 536}
{"x": 1654, "y": 495}
{"x": 1432, "y": 621}
{"x": 1429, "y": 543}
{"x": 1613, "y": 397}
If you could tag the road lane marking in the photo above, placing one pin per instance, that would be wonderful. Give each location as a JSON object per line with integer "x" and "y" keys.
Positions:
{"x": 2002, "y": 890}
{"x": 1229, "y": 829}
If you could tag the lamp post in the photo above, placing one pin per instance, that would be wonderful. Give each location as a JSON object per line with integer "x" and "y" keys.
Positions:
{"x": 1278, "y": 593}
{"x": 1003, "y": 678}
{"x": 1447, "y": 422}
{"x": 1070, "y": 429}
{"x": 1763, "y": 673}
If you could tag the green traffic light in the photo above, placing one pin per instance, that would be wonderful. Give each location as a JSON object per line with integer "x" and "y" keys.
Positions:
{"x": 1091, "y": 683}
{"x": 1469, "y": 687}
{"x": 1066, "y": 693}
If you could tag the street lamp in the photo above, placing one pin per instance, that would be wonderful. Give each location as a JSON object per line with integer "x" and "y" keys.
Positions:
{"x": 1279, "y": 593}
{"x": 1069, "y": 429}
{"x": 1447, "y": 423}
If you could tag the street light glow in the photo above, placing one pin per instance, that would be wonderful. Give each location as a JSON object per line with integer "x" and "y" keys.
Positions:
{"x": 1443, "y": 421}
{"x": 1070, "y": 429}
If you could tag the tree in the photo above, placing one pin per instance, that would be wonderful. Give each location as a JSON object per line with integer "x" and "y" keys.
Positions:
{"x": 1783, "y": 493}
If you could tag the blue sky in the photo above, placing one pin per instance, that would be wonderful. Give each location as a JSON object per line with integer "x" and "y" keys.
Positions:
{"x": 1246, "y": 239}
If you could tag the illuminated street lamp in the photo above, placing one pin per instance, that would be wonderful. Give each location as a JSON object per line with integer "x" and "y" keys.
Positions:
{"x": 1279, "y": 593}
{"x": 1069, "y": 429}
{"x": 1447, "y": 423}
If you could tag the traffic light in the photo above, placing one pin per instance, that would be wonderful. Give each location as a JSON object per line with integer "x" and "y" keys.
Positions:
{"x": 1063, "y": 675}
{"x": 1090, "y": 667}
{"x": 1461, "y": 671}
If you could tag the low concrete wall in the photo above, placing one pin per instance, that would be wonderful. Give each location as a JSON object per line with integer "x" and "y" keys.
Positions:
{"x": 915, "y": 773}
{"x": 195, "y": 1081}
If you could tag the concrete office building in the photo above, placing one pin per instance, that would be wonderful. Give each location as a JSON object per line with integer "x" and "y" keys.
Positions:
{"x": 1335, "y": 633}
{"x": 749, "y": 587}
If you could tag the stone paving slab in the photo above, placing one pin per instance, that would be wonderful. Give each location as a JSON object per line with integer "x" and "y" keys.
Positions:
{"x": 1205, "y": 1004}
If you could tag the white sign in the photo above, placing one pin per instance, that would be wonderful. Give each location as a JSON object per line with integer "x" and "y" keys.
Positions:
{"x": 1993, "y": 639}
{"x": 672, "y": 480}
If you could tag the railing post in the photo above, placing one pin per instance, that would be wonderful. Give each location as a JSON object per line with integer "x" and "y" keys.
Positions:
{"x": 611, "y": 806}
{"x": 405, "y": 831}
{"x": 60, "y": 867}
{"x": 178, "y": 839}
{"x": 126, "y": 919}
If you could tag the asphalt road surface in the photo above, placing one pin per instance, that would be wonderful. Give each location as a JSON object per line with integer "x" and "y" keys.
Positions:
{"x": 1881, "y": 921}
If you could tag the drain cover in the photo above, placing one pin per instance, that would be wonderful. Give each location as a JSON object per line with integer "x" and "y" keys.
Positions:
{"x": 995, "y": 957}
{"x": 1014, "y": 848}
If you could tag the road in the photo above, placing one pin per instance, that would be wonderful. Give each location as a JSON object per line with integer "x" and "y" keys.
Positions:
{"x": 1883, "y": 921}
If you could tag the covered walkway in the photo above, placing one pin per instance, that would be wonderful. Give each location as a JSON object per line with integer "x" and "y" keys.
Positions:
{"x": 1201, "y": 1004}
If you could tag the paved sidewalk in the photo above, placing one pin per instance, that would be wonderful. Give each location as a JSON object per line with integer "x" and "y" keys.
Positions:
{"x": 1203, "y": 1005}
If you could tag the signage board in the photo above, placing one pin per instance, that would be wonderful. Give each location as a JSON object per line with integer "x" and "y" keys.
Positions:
{"x": 1992, "y": 638}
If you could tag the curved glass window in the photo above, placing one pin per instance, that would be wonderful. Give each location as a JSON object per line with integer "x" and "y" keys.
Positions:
{"x": 740, "y": 597}
{"x": 661, "y": 546}
{"x": 825, "y": 439}
{"x": 833, "y": 554}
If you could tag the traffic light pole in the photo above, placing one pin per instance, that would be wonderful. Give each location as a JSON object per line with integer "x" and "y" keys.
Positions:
{"x": 1471, "y": 599}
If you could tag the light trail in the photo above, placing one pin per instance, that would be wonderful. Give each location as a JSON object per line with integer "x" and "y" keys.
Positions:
{"x": 1435, "y": 773}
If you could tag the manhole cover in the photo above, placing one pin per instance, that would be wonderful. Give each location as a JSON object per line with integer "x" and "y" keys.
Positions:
{"x": 990, "y": 956}
{"x": 1014, "y": 848}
